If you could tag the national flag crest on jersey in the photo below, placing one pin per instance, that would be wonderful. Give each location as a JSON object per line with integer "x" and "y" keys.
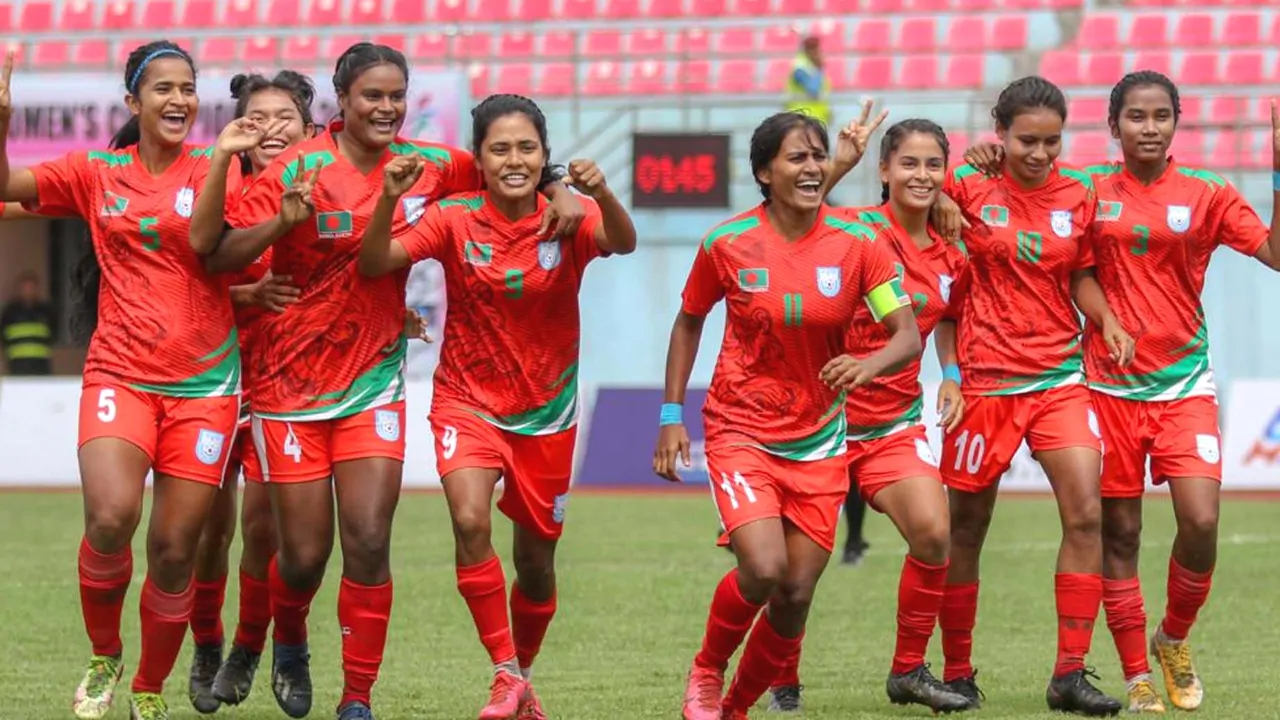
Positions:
{"x": 387, "y": 424}
{"x": 829, "y": 281}
{"x": 209, "y": 446}
{"x": 549, "y": 254}
{"x": 995, "y": 215}
{"x": 113, "y": 205}
{"x": 334, "y": 225}
{"x": 1060, "y": 221}
{"x": 479, "y": 254}
{"x": 1178, "y": 218}
{"x": 184, "y": 202}
{"x": 753, "y": 280}
{"x": 414, "y": 208}
{"x": 944, "y": 288}
{"x": 1109, "y": 210}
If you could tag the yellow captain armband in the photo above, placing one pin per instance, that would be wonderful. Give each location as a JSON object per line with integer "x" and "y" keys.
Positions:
{"x": 887, "y": 297}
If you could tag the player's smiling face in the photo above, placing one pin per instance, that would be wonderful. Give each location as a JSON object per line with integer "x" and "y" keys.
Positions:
{"x": 1146, "y": 124}
{"x": 270, "y": 105}
{"x": 512, "y": 157}
{"x": 373, "y": 109}
{"x": 915, "y": 172}
{"x": 797, "y": 173}
{"x": 1031, "y": 144}
{"x": 166, "y": 102}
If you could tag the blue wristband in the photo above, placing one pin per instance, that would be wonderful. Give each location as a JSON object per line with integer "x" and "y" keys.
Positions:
{"x": 952, "y": 373}
{"x": 672, "y": 414}
{"x": 1275, "y": 181}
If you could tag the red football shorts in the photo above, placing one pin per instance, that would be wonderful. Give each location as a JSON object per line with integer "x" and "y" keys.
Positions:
{"x": 876, "y": 464}
{"x": 536, "y": 469}
{"x": 188, "y": 438}
{"x": 978, "y": 452}
{"x": 749, "y": 484}
{"x": 292, "y": 451}
{"x": 245, "y": 454}
{"x": 1181, "y": 437}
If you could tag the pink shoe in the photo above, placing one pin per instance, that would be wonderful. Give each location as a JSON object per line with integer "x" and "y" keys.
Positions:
{"x": 702, "y": 695}
{"x": 504, "y": 697}
{"x": 530, "y": 706}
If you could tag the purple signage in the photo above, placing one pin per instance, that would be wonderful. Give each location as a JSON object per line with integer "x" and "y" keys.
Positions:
{"x": 622, "y": 433}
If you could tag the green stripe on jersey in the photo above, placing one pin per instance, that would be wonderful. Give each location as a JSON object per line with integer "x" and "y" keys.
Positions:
{"x": 1188, "y": 376}
{"x": 558, "y": 415}
{"x": 1069, "y": 372}
{"x": 827, "y": 442}
{"x": 731, "y": 230}
{"x": 437, "y": 156}
{"x": 381, "y": 385}
{"x": 309, "y": 162}
{"x": 910, "y": 416}
{"x": 221, "y": 379}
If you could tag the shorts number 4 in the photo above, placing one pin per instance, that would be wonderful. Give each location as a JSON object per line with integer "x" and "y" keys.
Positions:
{"x": 727, "y": 484}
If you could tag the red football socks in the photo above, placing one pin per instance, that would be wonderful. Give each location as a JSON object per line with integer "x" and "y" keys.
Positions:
{"x": 364, "y": 612}
{"x": 1077, "y": 597}
{"x": 289, "y": 608}
{"x": 484, "y": 587}
{"x": 1127, "y": 620}
{"x": 958, "y": 616}
{"x": 764, "y": 656}
{"x": 255, "y": 613}
{"x": 920, "y": 592}
{"x": 727, "y": 624}
{"x": 165, "y": 617}
{"x": 104, "y": 581}
{"x": 789, "y": 675}
{"x": 529, "y": 622}
{"x": 206, "y": 611}
{"x": 1187, "y": 593}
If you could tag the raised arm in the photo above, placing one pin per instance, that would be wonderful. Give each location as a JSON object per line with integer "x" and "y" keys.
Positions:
{"x": 15, "y": 185}
{"x": 615, "y": 234}
{"x": 291, "y": 199}
{"x": 208, "y": 219}
{"x": 851, "y": 145}
{"x": 378, "y": 255}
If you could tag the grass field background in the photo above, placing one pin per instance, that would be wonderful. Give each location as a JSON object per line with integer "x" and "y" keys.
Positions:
{"x": 636, "y": 574}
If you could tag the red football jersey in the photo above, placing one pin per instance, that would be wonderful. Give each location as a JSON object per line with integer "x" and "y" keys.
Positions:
{"x": 164, "y": 324}
{"x": 1019, "y": 330}
{"x": 788, "y": 310}
{"x": 894, "y": 402}
{"x": 340, "y": 349}
{"x": 511, "y": 337}
{"x": 1153, "y": 244}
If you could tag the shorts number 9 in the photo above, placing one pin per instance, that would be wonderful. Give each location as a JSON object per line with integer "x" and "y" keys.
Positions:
{"x": 449, "y": 441}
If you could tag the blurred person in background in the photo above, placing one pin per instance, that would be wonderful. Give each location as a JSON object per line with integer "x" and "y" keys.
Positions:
{"x": 808, "y": 87}
{"x": 26, "y": 330}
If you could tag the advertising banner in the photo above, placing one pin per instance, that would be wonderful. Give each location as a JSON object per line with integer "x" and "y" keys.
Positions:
{"x": 1251, "y": 446}
{"x": 54, "y": 114}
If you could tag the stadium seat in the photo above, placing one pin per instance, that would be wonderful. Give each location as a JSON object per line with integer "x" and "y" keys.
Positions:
{"x": 578, "y": 10}
{"x": 1009, "y": 33}
{"x": 1192, "y": 108}
{"x": 1199, "y": 68}
{"x": 975, "y": 5}
{"x": 302, "y": 49}
{"x": 919, "y": 72}
{"x": 518, "y": 44}
{"x": 367, "y": 12}
{"x": 750, "y": 8}
{"x": 394, "y": 41}
{"x": 736, "y": 76}
{"x": 918, "y": 35}
{"x": 285, "y": 13}
{"x": 710, "y": 8}
{"x": 558, "y": 80}
{"x": 77, "y": 16}
{"x": 199, "y": 14}
{"x": 240, "y": 14}
{"x": 667, "y": 9}
{"x": 647, "y": 78}
{"x": 559, "y": 44}
{"x": 324, "y": 13}
{"x": 1275, "y": 30}
{"x": 1061, "y": 67}
{"x": 37, "y": 17}
{"x": 476, "y": 46}
{"x": 872, "y": 36}
{"x": 967, "y": 33}
{"x": 966, "y": 71}
{"x": 50, "y": 54}
{"x": 1099, "y": 32}
{"x": 958, "y": 140}
{"x": 218, "y": 51}
{"x": 408, "y": 12}
{"x": 652, "y": 43}
{"x": 693, "y": 77}
{"x": 1088, "y": 147}
{"x": 603, "y": 43}
{"x": 91, "y": 54}
{"x": 431, "y": 46}
{"x": 1188, "y": 147}
{"x": 735, "y": 41}
{"x": 884, "y": 6}
{"x": 621, "y": 9}
{"x": 843, "y": 8}
{"x": 1149, "y": 31}
{"x": 478, "y": 77}
{"x": 1084, "y": 111}
{"x": 781, "y": 40}
{"x": 831, "y": 33}
{"x": 776, "y": 74}
{"x": 492, "y": 11}
{"x": 693, "y": 42}
{"x": 119, "y": 14}
{"x": 1194, "y": 31}
{"x": 1242, "y": 30}
{"x": 261, "y": 50}
{"x": 873, "y": 73}
{"x": 1158, "y": 60}
{"x": 1105, "y": 68}
{"x": 1228, "y": 110}
{"x": 532, "y": 10}
{"x": 515, "y": 78}
{"x": 336, "y": 45}
{"x": 6, "y": 17}
{"x": 798, "y": 7}
{"x": 1244, "y": 68}
{"x": 1231, "y": 149}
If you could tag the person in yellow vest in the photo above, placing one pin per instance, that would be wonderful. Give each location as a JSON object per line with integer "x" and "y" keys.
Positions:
{"x": 808, "y": 88}
{"x": 26, "y": 330}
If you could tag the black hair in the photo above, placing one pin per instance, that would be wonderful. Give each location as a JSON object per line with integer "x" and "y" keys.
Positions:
{"x": 1141, "y": 78}
{"x": 501, "y": 105}
{"x": 86, "y": 275}
{"x": 1025, "y": 94}
{"x": 767, "y": 139}
{"x": 899, "y": 131}
{"x": 361, "y": 57}
{"x": 296, "y": 85}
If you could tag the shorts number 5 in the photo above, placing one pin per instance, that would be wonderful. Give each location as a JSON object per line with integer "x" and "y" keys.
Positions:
{"x": 107, "y": 405}
{"x": 449, "y": 441}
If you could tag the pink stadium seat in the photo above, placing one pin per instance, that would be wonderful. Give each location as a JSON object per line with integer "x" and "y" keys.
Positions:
{"x": 843, "y": 8}
{"x": 128, "y": 45}
{"x": 835, "y": 70}
{"x": 324, "y": 13}
{"x": 118, "y": 15}
{"x": 666, "y": 8}
{"x": 780, "y": 40}
{"x": 966, "y": 71}
{"x": 647, "y": 78}
{"x": 1244, "y": 68}
{"x": 395, "y": 41}
{"x": 367, "y": 12}
{"x": 77, "y": 15}
{"x": 1230, "y": 150}
{"x": 831, "y": 33}
{"x": 578, "y": 10}
{"x": 479, "y": 76}
{"x": 518, "y": 44}
{"x": 621, "y": 9}
{"x": 872, "y": 36}
{"x": 219, "y": 51}
{"x": 454, "y": 11}
{"x": 240, "y": 14}
{"x": 604, "y": 78}
{"x": 1087, "y": 111}
{"x": 558, "y": 80}
{"x": 884, "y": 6}
{"x": 37, "y": 16}
{"x": 873, "y": 73}
{"x": 967, "y": 33}
{"x": 736, "y": 76}
{"x": 1063, "y": 4}
{"x": 1199, "y": 68}
{"x": 1149, "y": 31}
{"x": 776, "y": 74}
{"x": 1009, "y": 33}
{"x": 975, "y": 5}
{"x": 1099, "y": 32}
{"x": 431, "y": 46}
{"x": 199, "y": 14}
{"x": 930, "y": 6}
{"x": 918, "y": 35}
{"x": 1089, "y": 147}
{"x": 1104, "y": 68}
{"x": 1242, "y": 30}
{"x": 516, "y": 79}
{"x": 1192, "y": 108}
{"x": 959, "y": 142}
{"x": 91, "y": 54}
{"x": 1275, "y": 30}
{"x": 710, "y": 8}
{"x": 1194, "y": 30}
{"x": 6, "y": 17}
{"x": 1228, "y": 110}
{"x": 473, "y": 46}
{"x": 50, "y": 54}
{"x": 1061, "y": 66}
{"x": 693, "y": 77}
{"x": 262, "y": 50}
{"x": 493, "y": 11}
{"x": 1188, "y": 147}
{"x": 559, "y": 44}
{"x": 694, "y": 41}
{"x": 735, "y": 41}
{"x": 647, "y": 42}
{"x": 604, "y": 43}
{"x": 300, "y": 49}
{"x": 336, "y": 45}
{"x": 1159, "y": 60}
{"x": 919, "y": 72}
{"x": 798, "y": 7}
{"x": 532, "y": 10}
{"x": 750, "y": 8}
{"x": 283, "y": 13}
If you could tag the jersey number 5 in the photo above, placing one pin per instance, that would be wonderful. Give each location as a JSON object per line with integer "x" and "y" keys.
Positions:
{"x": 147, "y": 226}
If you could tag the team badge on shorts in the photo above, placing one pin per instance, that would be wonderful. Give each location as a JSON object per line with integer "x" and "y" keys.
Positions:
{"x": 549, "y": 254}
{"x": 387, "y": 423}
{"x": 558, "y": 507}
{"x": 184, "y": 202}
{"x": 1093, "y": 424}
{"x": 415, "y": 206}
{"x": 829, "y": 281}
{"x": 209, "y": 446}
{"x": 944, "y": 287}
{"x": 1060, "y": 221}
{"x": 1207, "y": 446}
{"x": 925, "y": 453}
{"x": 1179, "y": 218}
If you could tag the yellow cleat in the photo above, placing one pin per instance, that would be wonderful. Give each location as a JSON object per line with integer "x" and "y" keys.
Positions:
{"x": 1143, "y": 698}
{"x": 1180, "y": 678}
{"x": 97, "y": 688}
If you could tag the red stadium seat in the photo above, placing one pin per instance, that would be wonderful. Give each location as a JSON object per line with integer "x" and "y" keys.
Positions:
{"x": 647, "y": 78}
{"x": 1194, "y": 30}
{"x": 91, "y": 54}
{"x": 967, "y": 33}
{"x": 872, "y": 36}
{"x": 431, "y": 46}
{"x": 966, "y": 71}
{"x": 777, "y": 74}
{"x": 959, "y": 142}
{"x": 77, "y": 15}
{"x": 693, "y": 42}
{"x": 324, "y": 13}
{"x": 1148, "y": 31}
{"x": 710, "y": 8}
{"x": 559, "y": 44}
{"x": 750, "y": 8}
{"x": 621, "y": 9}
{"x": 579, "y": 10}
{"x": 1009, "y": 33}
{"x": 798, "y": 7}
{"x": 1228, "y": 110}
{"x": 1242, "y": 30}
{"x": 493, "y": 11}
{"x": 736, "y": 76}
{"x": 262, "y": 50}
{"x": 885, "y": 7}
{"x": 1089, "y": 148}
{"x": 1158, "y": 60}
{"x": 240, "y": 14}
{"x": 1275, "y": 31}
{"x": 1244, "y": 68}
{"x": 6, "y": 18}
{"x": 393, "y": 41}
{"x": 735, "y": 41}
{"x": 604, "y": 43}
{"x": 1061, "y": 67}
{"x": 15, "y": 47}
{"x": 284, "y": 13}
{"x": 1188, "y": 147}
{"x": 1104, "y": 69}
{"x": 831, "y": 33}
{"x": 1192, "y": 108}
{"x": 930, "y": 6}
{"x": 1099, "y": 32}
{"x": 515, "y": 79}
{"x": 1087, "y": 111}
{"x": 50, "y": 54}
{"x": 367, "y": 12}
{"x": 532, "y": 10}
{"x": 558, "y": 80}
{"x": 650, "y": 42}
{"x": 780, "y": 40}
{"x": 473, "y": 46}
{"x": 919, "y": 72}
{"x": 1199, "y": 68}
{"x": 843, "y": 8}
{"x": 518, "y": 44}
{"x": 37, "y": 16}
{"x": 118, "y": 15}
{"x": 199, "y": 14}
{"x": 667, "y": 9}
{"x": 693, "y": 77}
{"x": 454, "y": 11}
{"x": 300, "y": 49}
{"x": 333, "y": 48}
{"x": 604, "y": 78}
{"x": 873, "y": 73}
{"x": 1231, "y": 149}
{"x": 221, "y": 51}
{"x": 975, "y": 5}
{"x": 918, "y": 35}
{"x": 478, "y": 75}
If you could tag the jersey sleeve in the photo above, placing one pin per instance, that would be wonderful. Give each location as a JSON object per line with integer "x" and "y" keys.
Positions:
{"x": 1235, "y": 223}
{"x": 63, "y": 187}
{"x": 428, "y": 238}
{"x": 258, "y": 203}
{"x": 957, "y": 187}
{"x": 462, "y": 175}
{"x": 1084, "y": 253}
{"x": 585, "y": 247}
{"x": 879, "y": 282}
{"x": 703, "y": 289}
